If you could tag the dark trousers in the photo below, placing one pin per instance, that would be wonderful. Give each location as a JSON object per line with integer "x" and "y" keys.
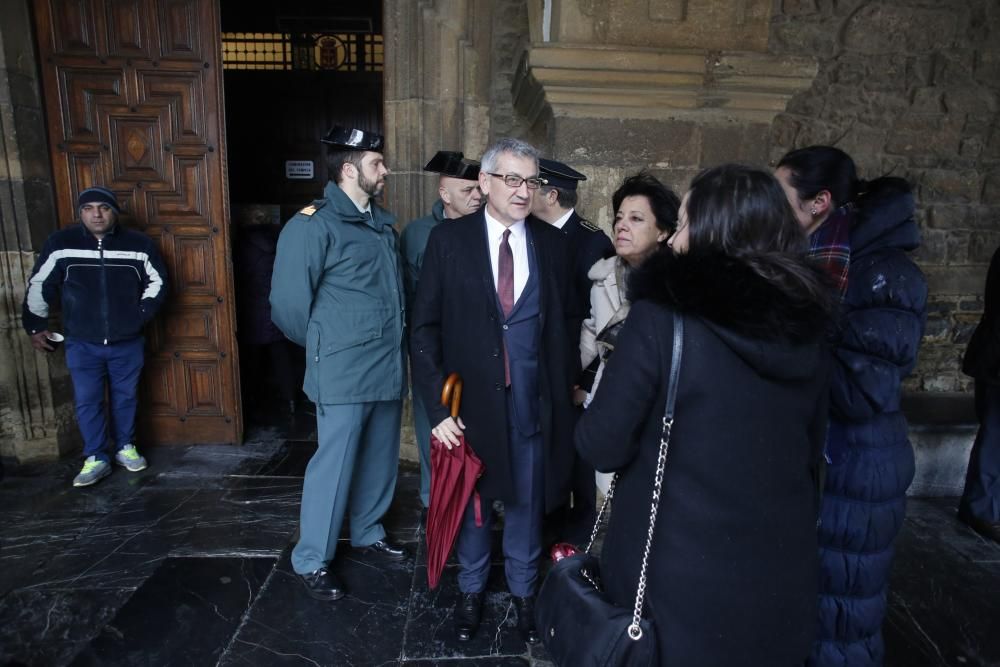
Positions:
{"x": 96, "y": 369}
{"x": 574, "y": 521}
{"x": 981, "y": 498}
{"x": 522, "y": 532}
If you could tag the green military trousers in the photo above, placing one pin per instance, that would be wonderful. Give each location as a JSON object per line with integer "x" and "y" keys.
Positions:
{"x": 354, "y": 468}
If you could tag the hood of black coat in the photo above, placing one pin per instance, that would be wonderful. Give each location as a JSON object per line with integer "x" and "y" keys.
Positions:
{"x": 775, "y": 331}
{"x": 885, "y": 218}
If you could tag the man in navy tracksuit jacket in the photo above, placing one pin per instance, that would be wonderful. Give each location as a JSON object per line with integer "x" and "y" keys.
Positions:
{"x": 109, "y": 281}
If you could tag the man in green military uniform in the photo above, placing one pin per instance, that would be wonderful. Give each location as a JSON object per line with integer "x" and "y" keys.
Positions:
{"x": 337, "y": 290}
{"x": 459, "y": 193}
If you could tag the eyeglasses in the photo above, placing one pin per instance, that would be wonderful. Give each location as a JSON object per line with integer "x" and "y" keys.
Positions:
{"x": 513, "y": 181}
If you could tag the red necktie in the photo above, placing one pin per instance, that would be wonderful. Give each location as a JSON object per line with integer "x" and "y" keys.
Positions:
{"x": 505, "y": 275}
{"x": 505, "y": 290}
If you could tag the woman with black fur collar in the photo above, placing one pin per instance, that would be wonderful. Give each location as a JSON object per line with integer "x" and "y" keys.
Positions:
{"x": 732, "y": 574}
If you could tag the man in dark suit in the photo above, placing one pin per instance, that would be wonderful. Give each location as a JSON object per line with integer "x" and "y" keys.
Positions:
{"x": 586, "y": 243}
{"x": 489, "y": 306}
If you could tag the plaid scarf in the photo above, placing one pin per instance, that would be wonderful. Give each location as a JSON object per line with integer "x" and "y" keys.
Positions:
{"x": 830, "y": 248}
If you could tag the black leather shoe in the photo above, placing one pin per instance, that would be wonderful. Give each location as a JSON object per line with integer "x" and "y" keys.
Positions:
{"x": 386, "y": 550}
{"x": 526, "y": 618}
{"x": 322, "y": 584}
{"x": 985, "y": 528}
{"x": 468, "y": 612}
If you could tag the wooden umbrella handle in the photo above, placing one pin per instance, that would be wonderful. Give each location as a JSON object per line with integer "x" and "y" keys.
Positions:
{"x": 451, "y": 393}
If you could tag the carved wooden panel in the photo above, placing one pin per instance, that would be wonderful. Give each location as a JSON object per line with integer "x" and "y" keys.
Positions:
{"x": 181, "y": 93}
{"x": 85, "y": 96}
{"x": 187, "y": 201}
{"x": 73, "y": 27}
{"x": 179, "y": 29}
{"x": 193, "y": 265}
{"x": 129, "y": 31}
{"x": 133, "y": 97}
{"x": 203, "y": 383}
{"x": 137, "y": 148}
{"x": 193, "y": 328}
{"x": 84, "y": 170}
{"x": 158, "y": 395}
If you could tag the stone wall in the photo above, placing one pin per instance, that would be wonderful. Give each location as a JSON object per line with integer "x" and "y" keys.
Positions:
{"x": 911, "y": 88}
{"x": 35, "y": 394}
{"x": 510, "y": 36}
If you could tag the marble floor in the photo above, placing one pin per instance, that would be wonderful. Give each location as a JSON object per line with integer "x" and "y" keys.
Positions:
{"x": 187, "y": 563}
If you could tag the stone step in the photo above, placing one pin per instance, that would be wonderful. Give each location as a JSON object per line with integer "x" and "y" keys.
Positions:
{"x": 942, "y": 429}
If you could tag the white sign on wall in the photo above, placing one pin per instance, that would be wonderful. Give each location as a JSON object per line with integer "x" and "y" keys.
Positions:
{"x": 299, "y": 169}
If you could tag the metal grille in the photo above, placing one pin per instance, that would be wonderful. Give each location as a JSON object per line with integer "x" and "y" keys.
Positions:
{"x": 347, "y": 52}
{"x": 256, "y": 50}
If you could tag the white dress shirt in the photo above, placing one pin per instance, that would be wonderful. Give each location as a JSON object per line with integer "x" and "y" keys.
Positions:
{"x": 558, "y": 224}
{"x": 518, "y": 246}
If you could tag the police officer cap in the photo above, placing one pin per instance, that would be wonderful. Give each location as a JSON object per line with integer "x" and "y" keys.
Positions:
{"x": 352, "y": 139}
{"x": 558, "y": 175}
{"x": 451, "y": 163}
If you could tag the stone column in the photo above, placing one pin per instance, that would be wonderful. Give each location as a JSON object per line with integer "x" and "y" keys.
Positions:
{"x": 437, "y": 92}
{"x": 437, "y": 97}
{"x": 35, "y": 396}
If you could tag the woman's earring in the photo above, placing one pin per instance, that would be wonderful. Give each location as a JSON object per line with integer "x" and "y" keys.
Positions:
{"x": 813, "y": 211}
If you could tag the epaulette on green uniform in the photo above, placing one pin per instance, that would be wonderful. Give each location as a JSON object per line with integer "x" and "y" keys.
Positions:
{"x": 588, "y": 225}
{"x": 313, "y": 207}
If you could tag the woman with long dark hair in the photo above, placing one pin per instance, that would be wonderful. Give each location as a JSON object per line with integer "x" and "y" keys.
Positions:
{"x": 860, "y": 233}
{"x": 732, "y": 571}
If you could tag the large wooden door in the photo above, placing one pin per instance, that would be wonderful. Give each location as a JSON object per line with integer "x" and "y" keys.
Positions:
{"x": 133, "y": 94}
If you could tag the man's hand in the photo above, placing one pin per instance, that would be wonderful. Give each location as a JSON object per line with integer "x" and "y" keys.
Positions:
{"x": 40, "y": 342}
{"x": 449, "y": 432}
{"x": 579, "y": 395}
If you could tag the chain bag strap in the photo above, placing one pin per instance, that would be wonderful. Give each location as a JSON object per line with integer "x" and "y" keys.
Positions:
{"x": 634, "y": 630}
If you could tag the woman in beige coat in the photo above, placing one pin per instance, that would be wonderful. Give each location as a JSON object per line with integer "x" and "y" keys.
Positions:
{"x": 645, "y": 217}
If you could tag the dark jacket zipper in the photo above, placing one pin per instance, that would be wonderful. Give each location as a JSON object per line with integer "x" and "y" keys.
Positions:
{"x": 104, "y": 293}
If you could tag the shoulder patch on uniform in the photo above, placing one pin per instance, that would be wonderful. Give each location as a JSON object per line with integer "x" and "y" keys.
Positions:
{"x": 588, "y": 225}
{"x": 313, "y": 207}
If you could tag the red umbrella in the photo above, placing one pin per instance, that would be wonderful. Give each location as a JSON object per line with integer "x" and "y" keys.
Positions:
{"x": 453, "y": 479}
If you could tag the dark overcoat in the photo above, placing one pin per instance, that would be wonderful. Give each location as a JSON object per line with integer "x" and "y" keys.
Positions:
{"x": 982, "y": 356}
{"x": 732, "y": 573}
{"x": 586, "y": 245}
{"x": 456, "y": 327}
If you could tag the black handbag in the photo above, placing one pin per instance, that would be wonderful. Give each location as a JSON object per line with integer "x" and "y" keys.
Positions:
{"x": 578, "y": 622}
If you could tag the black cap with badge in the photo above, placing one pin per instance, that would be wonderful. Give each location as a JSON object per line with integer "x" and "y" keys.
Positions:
{"x": 351, "y": 139}
{"x": 452, "y": 163}
{"x": 558, "y": 175}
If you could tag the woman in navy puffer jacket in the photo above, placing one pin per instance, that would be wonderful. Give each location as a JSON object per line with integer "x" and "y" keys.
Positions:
{"x": 861, "y": 233}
